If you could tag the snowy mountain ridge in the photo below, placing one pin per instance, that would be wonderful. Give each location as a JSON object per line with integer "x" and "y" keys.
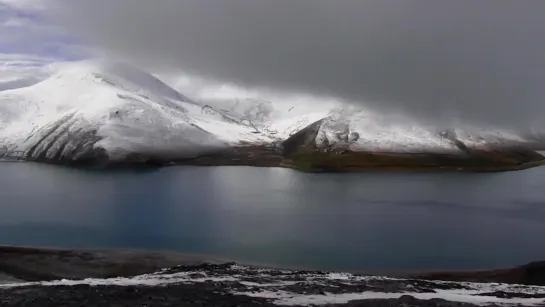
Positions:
{"x": 90, "y": 107}
{"x": 116, "y": 107}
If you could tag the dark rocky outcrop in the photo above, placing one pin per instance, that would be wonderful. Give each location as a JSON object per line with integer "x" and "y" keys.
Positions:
{"x": 59, "y": 143}
{"x": 304, "y": 138}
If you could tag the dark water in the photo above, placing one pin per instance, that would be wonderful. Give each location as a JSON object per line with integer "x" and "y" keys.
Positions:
{"x": 368, "y": 221}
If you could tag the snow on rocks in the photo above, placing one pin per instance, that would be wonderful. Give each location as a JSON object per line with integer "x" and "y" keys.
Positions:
{"x": 293, "y": 288}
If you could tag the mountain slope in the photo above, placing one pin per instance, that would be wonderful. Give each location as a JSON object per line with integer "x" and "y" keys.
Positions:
{"x": 111, "y": 110}
{"x": 331, "y": 145}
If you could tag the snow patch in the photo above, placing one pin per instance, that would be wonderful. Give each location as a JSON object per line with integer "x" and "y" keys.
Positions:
{"x": 284, "y": 298}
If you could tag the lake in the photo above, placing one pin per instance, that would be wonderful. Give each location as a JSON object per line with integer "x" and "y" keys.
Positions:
{"x": 281, "y": 217}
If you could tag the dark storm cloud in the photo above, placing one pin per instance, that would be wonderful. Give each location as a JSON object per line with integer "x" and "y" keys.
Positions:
{"x": 478, "y": 61}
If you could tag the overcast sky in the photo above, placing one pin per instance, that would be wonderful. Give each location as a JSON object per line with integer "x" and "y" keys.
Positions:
{"x": 461, "y": 60}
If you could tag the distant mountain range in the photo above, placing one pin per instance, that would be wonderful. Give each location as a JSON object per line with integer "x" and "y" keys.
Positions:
{"x": 111, "y": 111}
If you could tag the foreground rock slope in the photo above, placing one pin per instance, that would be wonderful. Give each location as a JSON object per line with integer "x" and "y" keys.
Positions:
{"x": 50, "y": 277}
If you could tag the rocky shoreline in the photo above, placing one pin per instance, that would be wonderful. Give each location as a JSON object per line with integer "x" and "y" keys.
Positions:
{"x": 63, "y": 277}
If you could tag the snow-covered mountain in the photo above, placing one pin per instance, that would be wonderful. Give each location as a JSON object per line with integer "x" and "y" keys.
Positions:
{"x": 89, "y": 108}
{"x": 90, "y": 105}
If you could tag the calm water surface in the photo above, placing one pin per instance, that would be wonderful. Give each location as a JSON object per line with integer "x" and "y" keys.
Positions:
{"x": 366, "y": 221}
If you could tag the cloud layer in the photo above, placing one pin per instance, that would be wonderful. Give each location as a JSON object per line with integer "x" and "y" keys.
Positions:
{"x": 23, "y": 31}
{"x": 21, "y": 70}
{"x": 470, "y": 61}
